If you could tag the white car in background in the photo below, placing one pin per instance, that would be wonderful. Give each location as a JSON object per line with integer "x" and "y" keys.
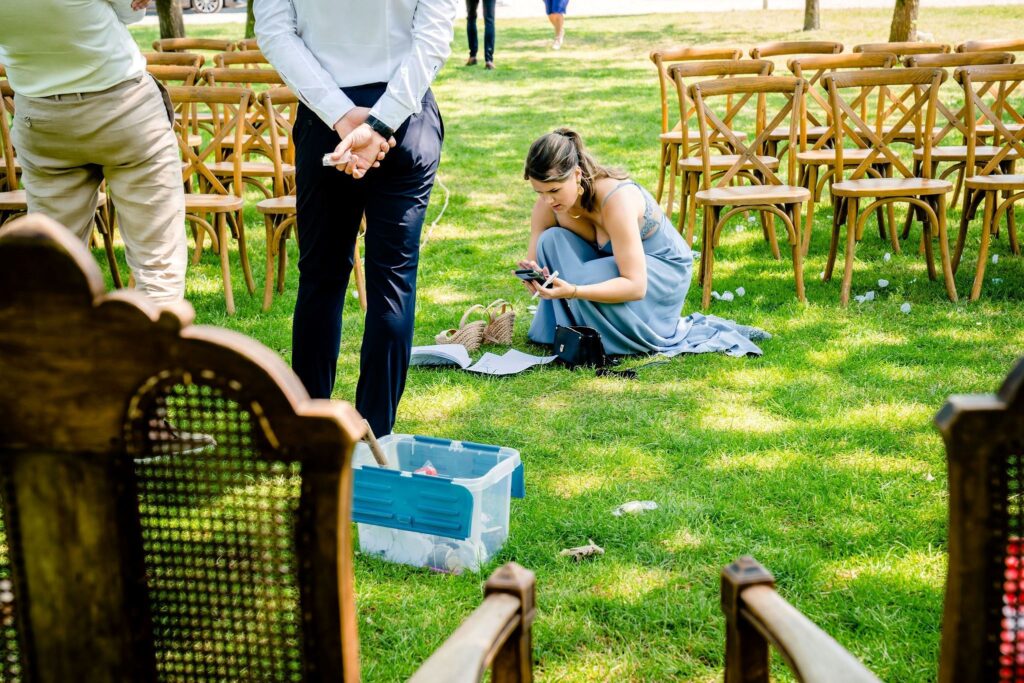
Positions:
{"x": 209, "y": 6}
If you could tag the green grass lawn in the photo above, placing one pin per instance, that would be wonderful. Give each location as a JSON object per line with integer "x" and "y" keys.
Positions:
{"x": 818, "y": 458}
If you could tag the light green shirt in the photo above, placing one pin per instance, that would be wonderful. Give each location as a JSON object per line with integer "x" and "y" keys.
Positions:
{"x": 55, "y": 47}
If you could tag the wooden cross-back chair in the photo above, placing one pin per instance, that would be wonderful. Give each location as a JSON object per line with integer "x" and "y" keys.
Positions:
{"x": 193, "y": 45}
{"x": 793, "y": 48}
{"x": 174, "y": 75}
{"x": 256, "y": 140}
{"x": 13, "y": 200}
{"x": 245, "y": 58}
{"x": 920, "y": 89}
{"x": 952, "y": 123}
{"x": 280, "y": 106}
{"x": 1015, "y": 45}
{"x": 672, "y": 137}
{"x": 905, "y": 48}
{"x": 174, "y": 505}
{"x": 175, "y": 59}
{"x": 247, "y": 44}
{"x": 989, "y": 92}
{"x": 772, "y": 196}
{"x": 210, "y": 194}
{"x": 817, "y": 163}
{"x": 690, "y": 166}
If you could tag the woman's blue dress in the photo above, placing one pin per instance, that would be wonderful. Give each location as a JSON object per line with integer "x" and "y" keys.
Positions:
{"x": 649, "y": 325}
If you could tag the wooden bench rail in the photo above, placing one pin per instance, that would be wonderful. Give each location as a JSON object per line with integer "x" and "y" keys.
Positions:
{"x": 756, "y": 615}
{"x": 497, "y": 633}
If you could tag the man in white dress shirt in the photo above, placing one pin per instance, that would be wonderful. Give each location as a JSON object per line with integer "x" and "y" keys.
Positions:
{"x": 362, "y": 69}
{"x": 86, "y": 110}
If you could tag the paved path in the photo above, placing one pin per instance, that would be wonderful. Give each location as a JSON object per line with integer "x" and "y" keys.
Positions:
{"x": 535, "y": 8}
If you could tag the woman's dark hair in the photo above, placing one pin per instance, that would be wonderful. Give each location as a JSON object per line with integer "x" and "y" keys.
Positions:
{"x": 553, "y": 157}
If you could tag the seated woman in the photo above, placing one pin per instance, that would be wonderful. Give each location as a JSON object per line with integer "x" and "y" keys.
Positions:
{"x": 622, "y": 268}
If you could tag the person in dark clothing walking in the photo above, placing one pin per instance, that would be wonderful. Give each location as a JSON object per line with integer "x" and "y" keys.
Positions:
{"x": 471, "y": 35}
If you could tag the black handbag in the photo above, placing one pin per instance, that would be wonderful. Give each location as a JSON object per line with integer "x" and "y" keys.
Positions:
{"x": 579, "y": 345}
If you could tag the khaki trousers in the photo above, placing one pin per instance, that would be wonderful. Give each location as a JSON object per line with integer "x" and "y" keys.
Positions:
{"x": 68, "y": 144}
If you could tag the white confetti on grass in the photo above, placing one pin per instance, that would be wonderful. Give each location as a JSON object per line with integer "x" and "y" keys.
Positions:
{"x": 869, "y": 295}
{"x": 995, "y": 258}
{"x": 727, "y": 296}
{"x": 905, "y": 308}
{"x": 740, "y": 291}
{"x": 882, "y": 284}
{"x": 886, "y": 256}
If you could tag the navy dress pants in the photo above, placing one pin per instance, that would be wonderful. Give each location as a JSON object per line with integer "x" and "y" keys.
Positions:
{"x": 471, "y": 35}
{"x": 330, "y": 205}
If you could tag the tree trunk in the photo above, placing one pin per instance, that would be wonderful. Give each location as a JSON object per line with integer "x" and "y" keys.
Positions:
{"x": 812, "y": 19}
{"x": 250, "y": 20}
{"x": 172, "y": 24}
{"x": 904, "y": 21}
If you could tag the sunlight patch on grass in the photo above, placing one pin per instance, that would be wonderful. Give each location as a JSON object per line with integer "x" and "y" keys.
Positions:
{"x": 683, "y": 539}
{"x": 631, "y": 583}
{"x": 887, "y": 413}
{"x": 441, "y": 404}
{"x": 899, "y": 564}
{"x": 744, "y": 418}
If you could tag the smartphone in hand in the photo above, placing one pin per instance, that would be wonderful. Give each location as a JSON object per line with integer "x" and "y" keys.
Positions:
{"x": 531, "y": 275}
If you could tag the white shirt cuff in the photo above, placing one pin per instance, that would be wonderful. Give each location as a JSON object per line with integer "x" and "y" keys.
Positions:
{"x": 391, "y": 111}
{"x": 332, "y": 107}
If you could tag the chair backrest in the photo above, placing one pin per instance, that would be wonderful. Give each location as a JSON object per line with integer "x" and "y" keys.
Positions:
{"x": 246, "y": 58}
{"x": 917, "y": 101}
{"x": 280, "y": 107}
{"x": 193, "y": 44}
{"x": 173, "y": 75}
{"x": 952, "y": 120}
{"x": 664, "y": 57}
{"x": 795, "y": 47}
{"x": 230, "y": 108}
{"x": 813, "y": 69}
{"x": 243, "y": 77}
{"x": 247, "y": 44}
{"x": 999, "y": 45}
{"x": 744, "y": 89}
{"x": 987, "y": 95}
{"x": 175, "y": 507}
{"x": 982, "y": 630}
{"x": 904, "y": 49}
{"x": 175, "y": 59}
{"x": 683, "y": 72}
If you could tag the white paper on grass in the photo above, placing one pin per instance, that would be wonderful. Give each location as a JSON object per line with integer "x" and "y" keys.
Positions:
{"x": 511, "y": 363}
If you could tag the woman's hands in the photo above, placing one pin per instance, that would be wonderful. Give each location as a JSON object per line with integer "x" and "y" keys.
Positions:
{"x": 557, "y": 289}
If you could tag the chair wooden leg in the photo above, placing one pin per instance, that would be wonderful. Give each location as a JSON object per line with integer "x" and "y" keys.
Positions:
{"x": 812, "y": 184}
{"x": 708, "y": 255}
{"x": 972, "y": 199}
{"x": 851, "y": 246}
{"x": 199, "y": 236}
{"x": 960, "y": 174}
{"x": 986, "y": 232}
{"x": 268, "y": 283}
{"x": 926, "y": 240}
{"x": 691, "y": 207}
{"x": 890, "y": 213}
{"x": 243, "y": 254}
{"x": 838, "y": 211}
{"x": 947, "y": 266}
{"x": 795, "y": 214}
{"x": 1011, "y": 219}
{"x": 106, "y": 228}
{"x": 225, "y": 266}
{"x": 360, "y": 276}
{"x": 662, "y": 165}
{"x": 673, "y": 163}
{"x": 684, "y": 205}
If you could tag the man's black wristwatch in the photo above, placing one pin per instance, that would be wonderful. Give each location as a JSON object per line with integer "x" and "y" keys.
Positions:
{"x": 380, "y": 127}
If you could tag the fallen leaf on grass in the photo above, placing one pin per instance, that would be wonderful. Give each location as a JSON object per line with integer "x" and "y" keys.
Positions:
{"x": 583, "y": 551}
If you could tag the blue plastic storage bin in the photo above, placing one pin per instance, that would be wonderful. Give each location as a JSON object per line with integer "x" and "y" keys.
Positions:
{"x": 456, "y": 520}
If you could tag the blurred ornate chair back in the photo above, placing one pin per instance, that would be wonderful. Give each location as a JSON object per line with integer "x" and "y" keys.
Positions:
{"x": 175, "y": 506}
{"x": 906, "y": 48}
{"x": 192, "y": 45}
{"x": 982, "y": 626}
